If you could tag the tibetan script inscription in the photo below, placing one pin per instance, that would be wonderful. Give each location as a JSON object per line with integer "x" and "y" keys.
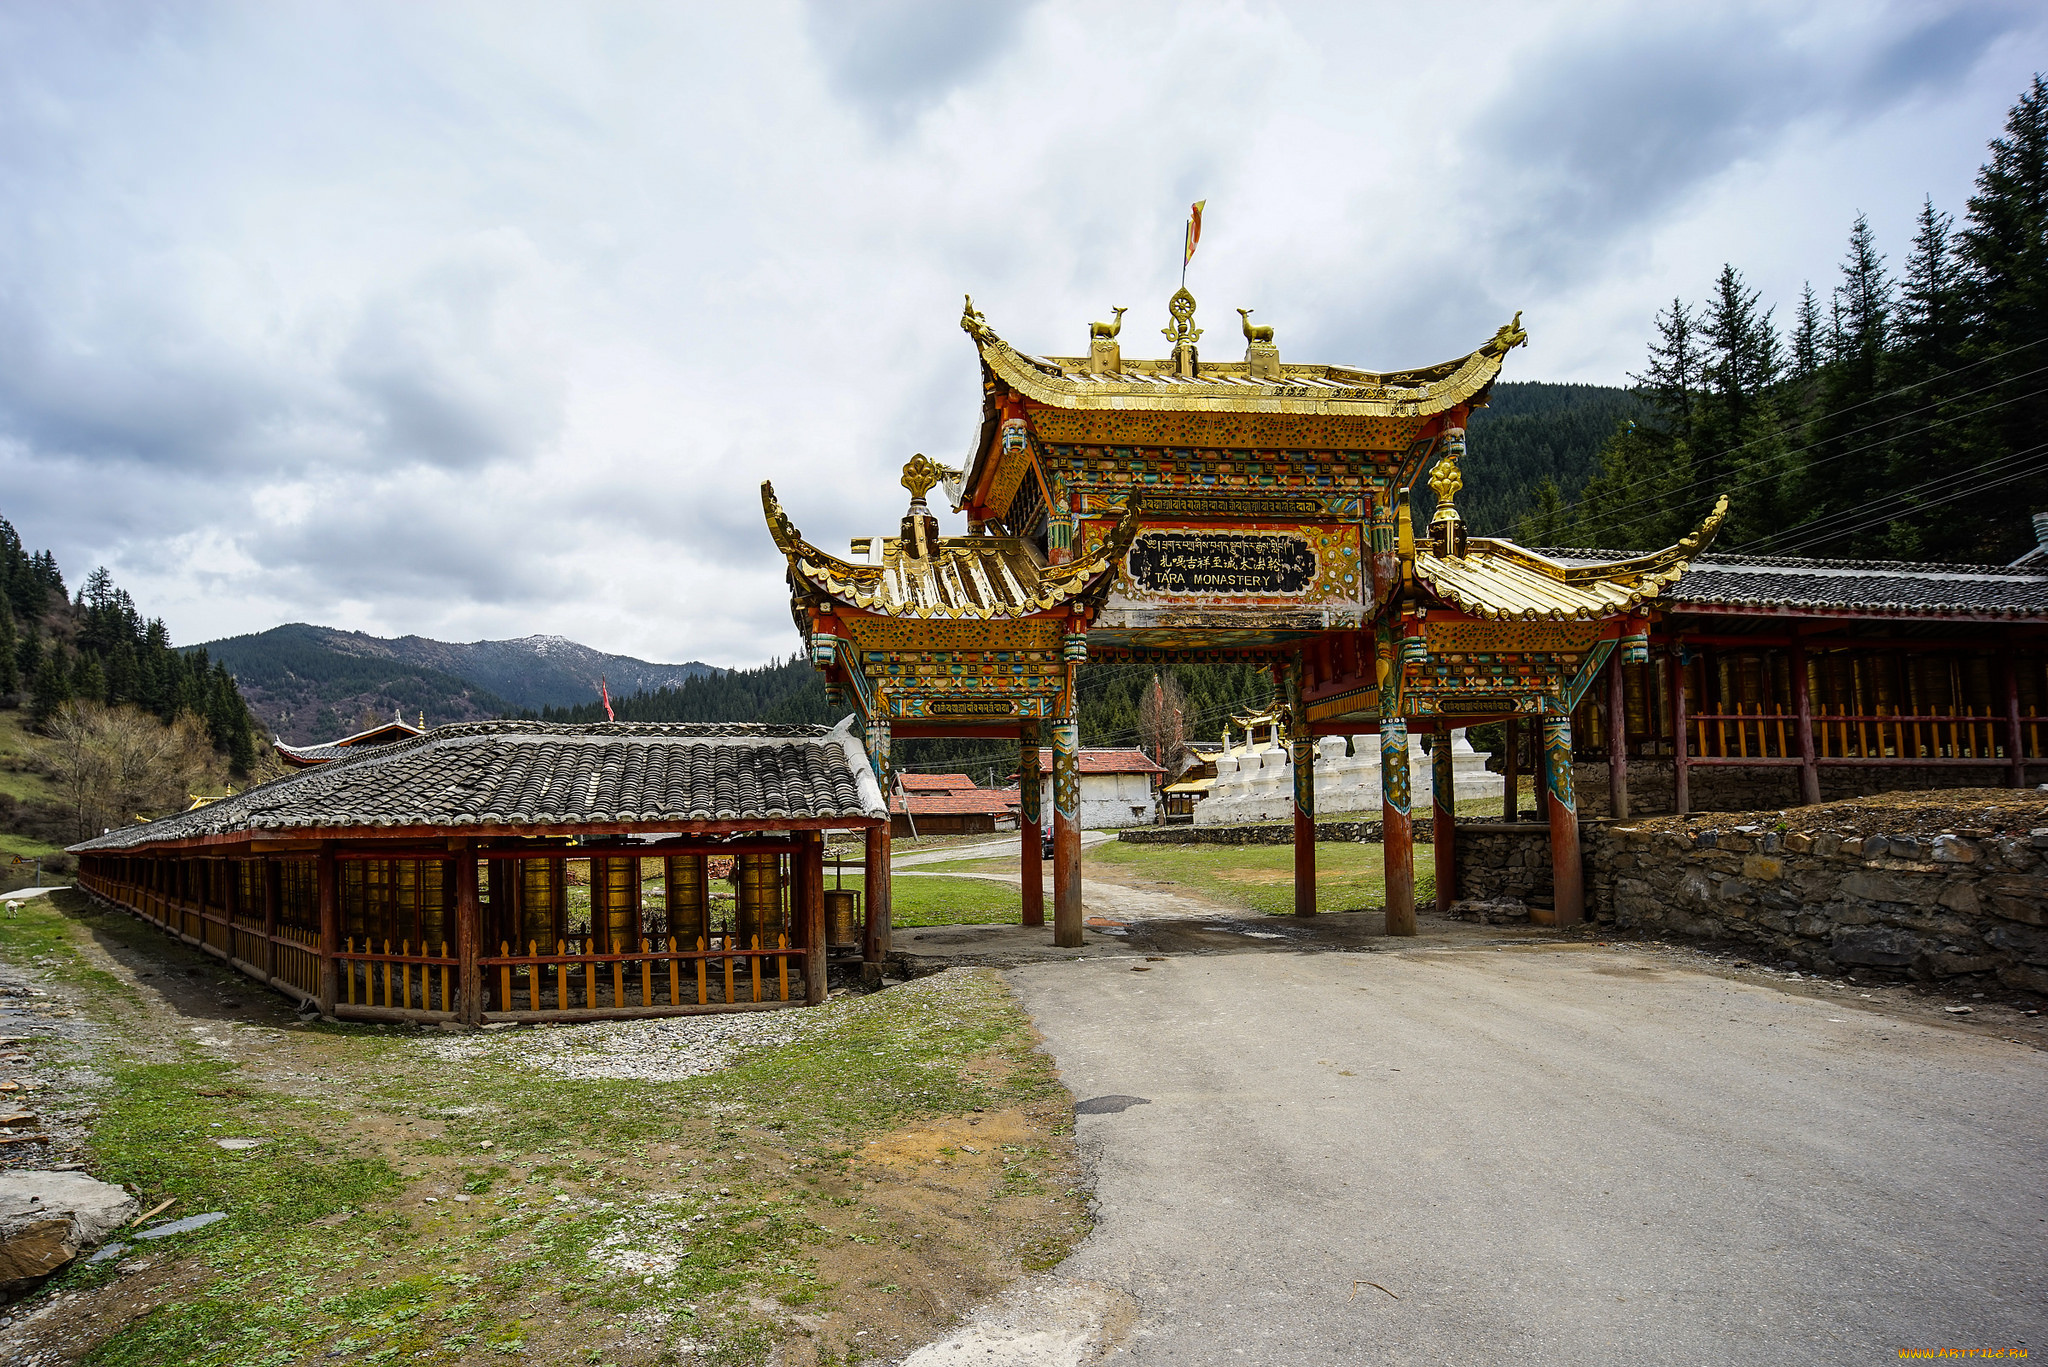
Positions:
{"x": 971, "y": 707}
{"x": 1237, "y": 507}
{"x": 1223, "y": 564}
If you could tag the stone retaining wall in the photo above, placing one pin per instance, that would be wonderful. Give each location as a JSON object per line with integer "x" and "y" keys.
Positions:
{"x": 1940, "y": 891}
{"x": 1928, "y": 905}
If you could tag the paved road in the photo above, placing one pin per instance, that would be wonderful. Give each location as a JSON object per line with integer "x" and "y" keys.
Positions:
{"x": 1557, "y": 1154}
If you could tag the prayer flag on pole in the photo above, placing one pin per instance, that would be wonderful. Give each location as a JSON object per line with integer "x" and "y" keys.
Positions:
{"x": 605, "y": 692}
{"x": 1194, "y": 233}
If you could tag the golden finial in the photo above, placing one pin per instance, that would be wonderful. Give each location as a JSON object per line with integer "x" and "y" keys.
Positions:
{"x": 920, "y": 475}
{"x": 1261, "y": 333}
{"x": 1105, "y": 331}
{"x": 1445, "y": 481}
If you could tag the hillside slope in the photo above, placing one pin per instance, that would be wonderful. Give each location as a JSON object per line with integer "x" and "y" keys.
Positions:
{"x": 312, "y": 683}
{"x": 1528, "y": 433}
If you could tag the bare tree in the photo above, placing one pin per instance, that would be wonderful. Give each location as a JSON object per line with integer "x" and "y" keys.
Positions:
{"x": 1161, "y": 721}
{"x": 117, "y": 764}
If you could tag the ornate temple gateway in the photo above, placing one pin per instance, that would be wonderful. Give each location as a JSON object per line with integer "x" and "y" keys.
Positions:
{"x": 1183, "y": 510}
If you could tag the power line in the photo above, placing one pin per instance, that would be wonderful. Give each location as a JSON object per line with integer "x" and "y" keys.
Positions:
{"x": 1836, "y": 533}
{"x": 1694, "y": 485}
{"x": 1896, "y": 495}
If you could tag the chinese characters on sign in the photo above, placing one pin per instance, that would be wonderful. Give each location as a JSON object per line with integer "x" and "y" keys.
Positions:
{"x": 1222, "y": 564}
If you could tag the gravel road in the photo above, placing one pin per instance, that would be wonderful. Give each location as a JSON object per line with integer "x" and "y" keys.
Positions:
{"x": 1555, "y": 1154}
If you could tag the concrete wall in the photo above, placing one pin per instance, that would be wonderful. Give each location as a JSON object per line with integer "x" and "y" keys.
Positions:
{"x": 1930, "y": 904}
{"x": 1108, "y": 801}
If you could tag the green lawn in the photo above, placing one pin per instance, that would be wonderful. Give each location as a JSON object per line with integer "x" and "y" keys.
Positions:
{"x": 1349, "y": 877}
{"x": 935, "y": 900}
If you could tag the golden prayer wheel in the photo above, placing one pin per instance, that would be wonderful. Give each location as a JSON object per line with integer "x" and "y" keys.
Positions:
{"x": 842, "y": 917}
{"x": 688, "y": 898}
{"x": 619, "y": 877}
{"x": 760, "y": 898}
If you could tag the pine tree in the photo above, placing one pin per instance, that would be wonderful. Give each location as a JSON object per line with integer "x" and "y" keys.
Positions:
{"x": 10, "y": 670}
{"x": 1743, "y": 365}
{"x": 52, "y": 689}
{"x": 1931, "y": 437}
{"x": 2004, "y": 247}
{"x": 1806, "y": 341}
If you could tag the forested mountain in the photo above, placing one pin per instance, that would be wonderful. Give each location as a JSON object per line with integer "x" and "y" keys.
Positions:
{"x": 97, "y": 648}
{"x": 1530, "y": 434}
{"x": 1902, "y": 415}
{"x": 312, "y": 683}
{"x": 791, "y": 692}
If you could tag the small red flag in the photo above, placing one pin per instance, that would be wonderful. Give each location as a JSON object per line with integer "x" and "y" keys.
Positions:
{"x": 605, "y": 693}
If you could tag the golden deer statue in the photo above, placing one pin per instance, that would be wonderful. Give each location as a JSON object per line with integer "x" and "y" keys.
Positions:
{"x": 1106, "y": 331}
{"x": 1255, "y": 334}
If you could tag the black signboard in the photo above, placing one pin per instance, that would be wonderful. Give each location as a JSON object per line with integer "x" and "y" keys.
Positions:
{"x": 1222, "y": 564}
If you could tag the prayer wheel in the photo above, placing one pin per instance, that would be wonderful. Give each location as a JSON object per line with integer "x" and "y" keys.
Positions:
{"x": 688, "y": 898}
{"x": 842, "y": 917}
{"x": 760, "y": 899}
{"x": 620, "y": 880}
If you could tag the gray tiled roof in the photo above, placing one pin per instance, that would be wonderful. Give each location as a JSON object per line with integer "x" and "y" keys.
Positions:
{"x": 1874, "y": 586}
{"x": 526, "y": 773}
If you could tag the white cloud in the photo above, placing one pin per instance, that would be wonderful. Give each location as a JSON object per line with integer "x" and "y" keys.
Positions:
{"x": 481, "y": 321}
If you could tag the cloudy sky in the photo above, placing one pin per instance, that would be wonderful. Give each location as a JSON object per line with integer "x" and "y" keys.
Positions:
{"x": 486, "y": 320}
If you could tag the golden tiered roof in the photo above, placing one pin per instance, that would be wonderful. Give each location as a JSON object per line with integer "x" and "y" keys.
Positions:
{"x": 1229, "y": 387}
{"x": 1505, "y": 582}
{"x": 961, "y": 578}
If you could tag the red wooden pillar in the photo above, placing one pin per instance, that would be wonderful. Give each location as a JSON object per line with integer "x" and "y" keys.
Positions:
{"x": 1397, "y": 830}
{"x": 1066, "y": 834}
{"x": 1567, "y": 878}
{"x": 468, "y": 934}
{"x": 875, "y": 935}
{"x": 2015, "y": 738}
{"x": 330, "y": 928}
{"x": 810, "y": 881}
{"x": 1303, "y": 760}
{"x": 1443, "y": 817}
{"x": 1030, "y": 790}
{"x": 1681, "y": 739}
{"x": 273, "y": 904}
{"x": 1511, "y": 772}
{"x": 1802, "y": 706}
{"x": 1617, "y": 739}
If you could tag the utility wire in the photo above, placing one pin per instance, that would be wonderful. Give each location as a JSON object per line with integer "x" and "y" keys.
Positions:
{"x": 1904, "y": 496}
{"x": 1694, "y": 485}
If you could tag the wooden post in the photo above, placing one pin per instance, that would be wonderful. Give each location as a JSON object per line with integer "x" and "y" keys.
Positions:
{"x": 1802, "y": 706}
{"x": 1567, "y": 879}
{"x": 1681, "y": 778}
{"x": 1304, "y": 762}
{"x": 1511, "y": 772}
{"x": 875, "y": 934}
{"x": 1030, "y": 789}
{"x": 1066, "y": 834}
{"x": 468, "y": 936}
{"x": 1617, "y": 739}
{"x": 273, "y": 905}
{"x": 810, "y": 906}
{"x": 2015, "y": 738}
{"x": 1397, "y": 831}
{"x": 1443, "y": 818}
{"x": 330, "y": 928}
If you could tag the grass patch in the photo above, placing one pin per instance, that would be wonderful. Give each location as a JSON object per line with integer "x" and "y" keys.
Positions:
{"x": 1349, "y": 877}
{"x": 923, "y": 899}
{"x": 590, "y": 1204}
